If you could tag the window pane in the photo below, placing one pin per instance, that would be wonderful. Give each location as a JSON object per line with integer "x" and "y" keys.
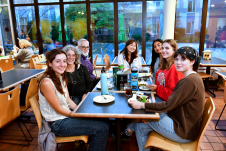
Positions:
{"x": 3, "y": 2}
{"x": 6, "y": 30}
{"x": 154, "y": 28}
{"x": 76, "y": 18}
{"x": 130, "y": 23}
{"x": 102, "y": 30}
{"x": 47, "y": 1}
{"x": 26, "y": 24}
{"x": 215, "y": 39}
{"x": 50, "y": 27}
{"x": 23, "y": 1}
{"x": 188, "y": 24}
{"x": 73, "y": 0}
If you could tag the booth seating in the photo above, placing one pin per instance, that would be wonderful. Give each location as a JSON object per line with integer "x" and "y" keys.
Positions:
{"x": 159, "y": 141}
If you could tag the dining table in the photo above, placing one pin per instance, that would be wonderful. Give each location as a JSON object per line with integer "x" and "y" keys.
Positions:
{"x": 213, "y": 62}
{"x": 118, "y": 108}
{"x": 115, "y": 61}
{"x": 13, "y": 77}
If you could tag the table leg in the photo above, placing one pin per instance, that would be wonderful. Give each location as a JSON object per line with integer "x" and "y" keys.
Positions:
{"x": 118, "y": 134}
{"x": 207, "y": 82}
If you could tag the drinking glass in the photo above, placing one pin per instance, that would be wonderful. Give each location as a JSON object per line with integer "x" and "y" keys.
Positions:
{"x": 111, "y": 91}
{"x": 128, "y": 89}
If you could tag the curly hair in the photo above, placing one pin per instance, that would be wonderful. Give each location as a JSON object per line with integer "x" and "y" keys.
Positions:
{"x": 24, "y": 43}
{"x": 155, "y": 55}
{"x": 50, "y": 56}
{"x": 162, "y": 61}
{"x": 77, "y": 53}
{"x": 125, "y": 51}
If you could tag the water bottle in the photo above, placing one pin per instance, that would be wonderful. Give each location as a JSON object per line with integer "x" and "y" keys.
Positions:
{"x": 134, "y": 79}
{"x": 103, "y": 82}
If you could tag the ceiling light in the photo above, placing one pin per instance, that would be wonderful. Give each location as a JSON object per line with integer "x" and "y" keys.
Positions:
{"x": 212, "y": 5}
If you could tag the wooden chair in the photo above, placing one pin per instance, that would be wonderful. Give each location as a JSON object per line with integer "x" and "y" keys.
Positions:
{"x": 224, "y": 83}
{"x": 36, "y": 109}
{"x": 94, "y": 64}
{"x": 31, "y": 63}
{"x": 10, "y": 109}
{"x": 89, "y": 59}
{"x": 38, "y": 65}
{"x": 31, "y": 91}
{"x": 107, "y": 62}
{"x": 6, "y": 64}
{"x": 41, "y": 57}
{"x": 157, "y": 140}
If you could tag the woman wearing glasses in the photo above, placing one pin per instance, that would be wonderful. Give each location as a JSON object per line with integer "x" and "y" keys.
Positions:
{"x": 79, "y": 81}
{"x": 129, "y": 56}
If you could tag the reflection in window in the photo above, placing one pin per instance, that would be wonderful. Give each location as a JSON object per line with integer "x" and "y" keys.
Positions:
{"x": 47, "y": 1}
{"x": 3, "y": 2}
{"x": 50, "y": 27}
{"x": 102, "y": 30}
{"x": 215, "y": 39}
{"x": 188, "y": 25}
{"x": 5, "y": 30}
{"x": 76, "y": 22}
{"x": 23, "y": 1}
{"x": 130, "y": 23}
{"x": 26, "y": 24}
{"x": 154, "y": 26}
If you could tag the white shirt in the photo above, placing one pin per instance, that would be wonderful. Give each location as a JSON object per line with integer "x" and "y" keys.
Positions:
{"x": 136, "y": 62}
{"x": 47, "y": 111}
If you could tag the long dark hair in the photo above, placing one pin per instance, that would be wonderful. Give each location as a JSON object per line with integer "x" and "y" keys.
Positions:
{"x": 162, "y": 61}
{"x": 50, "y": 56}
{"x": 125, "y": 51}
{"x": 155, "y": 55}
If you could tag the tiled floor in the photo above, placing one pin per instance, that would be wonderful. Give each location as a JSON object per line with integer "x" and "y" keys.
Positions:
{"x": 212, "y": 140}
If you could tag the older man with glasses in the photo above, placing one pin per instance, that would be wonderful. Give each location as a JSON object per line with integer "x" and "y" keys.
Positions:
{"x": 83, "y": 46}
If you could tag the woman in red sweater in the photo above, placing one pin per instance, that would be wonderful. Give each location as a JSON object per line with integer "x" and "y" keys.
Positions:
{"x": 167, "y": 76}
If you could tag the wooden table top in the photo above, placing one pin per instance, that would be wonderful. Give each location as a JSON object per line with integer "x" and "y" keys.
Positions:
{"x": 16, "y": 76}
{"x": 119, "y": 108}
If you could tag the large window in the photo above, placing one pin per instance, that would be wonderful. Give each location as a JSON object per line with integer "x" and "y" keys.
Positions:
{"x": 215, "y": 38}
{"x": 188, "y": 23}
{"x": 154, "y": 26}
{"x": 5, "y": 30}
{"x": 102, "y": 30}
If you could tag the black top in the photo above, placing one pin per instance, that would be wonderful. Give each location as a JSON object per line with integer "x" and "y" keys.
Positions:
{"x": 83, "y": 84}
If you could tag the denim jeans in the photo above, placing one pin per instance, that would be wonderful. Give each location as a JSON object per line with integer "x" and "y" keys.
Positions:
{"x": 164, "y": 127}
{"x": 97, "y": 130}
{"x": 77, "y": 99}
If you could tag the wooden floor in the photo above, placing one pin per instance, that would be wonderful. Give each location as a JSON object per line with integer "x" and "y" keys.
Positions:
{"x": 212, "y": 140}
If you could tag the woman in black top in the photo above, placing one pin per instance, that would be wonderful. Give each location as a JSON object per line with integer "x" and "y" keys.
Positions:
{"x": 79, "y": 81}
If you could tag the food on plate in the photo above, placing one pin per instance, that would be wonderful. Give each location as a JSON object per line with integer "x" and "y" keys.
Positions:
{"x": 142, "y": 83}
{"x": 142, "y": 98}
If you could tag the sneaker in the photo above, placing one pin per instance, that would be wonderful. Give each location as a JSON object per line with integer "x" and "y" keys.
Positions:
{"x": 124, "y": 137}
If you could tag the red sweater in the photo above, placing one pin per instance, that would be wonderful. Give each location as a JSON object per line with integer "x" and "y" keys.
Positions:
{"x": 166, "y": 80}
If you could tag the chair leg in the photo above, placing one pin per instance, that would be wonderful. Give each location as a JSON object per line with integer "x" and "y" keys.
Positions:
{"x": 219, "y": 120}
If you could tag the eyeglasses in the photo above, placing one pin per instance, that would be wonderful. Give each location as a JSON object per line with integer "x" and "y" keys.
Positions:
{"x": 83, "y": 47}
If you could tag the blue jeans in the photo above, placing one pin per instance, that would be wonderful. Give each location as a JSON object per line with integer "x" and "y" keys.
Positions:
{"x": 97, "y": 130}
{"x": 164, "y": 127}
{"x": 77, "y": 99}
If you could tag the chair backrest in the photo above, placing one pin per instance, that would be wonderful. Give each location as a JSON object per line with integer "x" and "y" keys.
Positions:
{"x": 36, "y": 109}
{"x": 89, "y": 58}
{"x": 9, "y": 106}
{"x": 224, "y": 83}
{"x": 41, "y": 57}
{"x": 31, "y": 63}
{"x": 6, "y": 64}
{"x": 207, "y": 115}
{"x": 107, "y": 62}
{"x": 31, "y": 91}
{"x": 95, "y": 62}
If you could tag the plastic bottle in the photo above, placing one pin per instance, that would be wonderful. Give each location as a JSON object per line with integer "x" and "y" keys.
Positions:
{"x": 121, "y": 84}
{"x": 103, "y": 82}
{"x": 134, "y": 79}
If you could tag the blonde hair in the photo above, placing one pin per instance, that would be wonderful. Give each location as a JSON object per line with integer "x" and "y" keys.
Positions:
{"x": 48, "y": 40}
{"x": 162, "y": 61}
{"x": 24, "y": 43}
{"x": 77, "y": 53}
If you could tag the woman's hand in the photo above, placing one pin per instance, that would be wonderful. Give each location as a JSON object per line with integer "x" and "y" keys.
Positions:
{"x": 152, "y": 87}
{"x": 136, "y": 104}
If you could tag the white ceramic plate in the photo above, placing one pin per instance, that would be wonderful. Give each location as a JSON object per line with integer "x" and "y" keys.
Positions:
{"x": 100, "y": 99}
{"x": 144, "y": 88}
{"x": 144, "y": 74}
